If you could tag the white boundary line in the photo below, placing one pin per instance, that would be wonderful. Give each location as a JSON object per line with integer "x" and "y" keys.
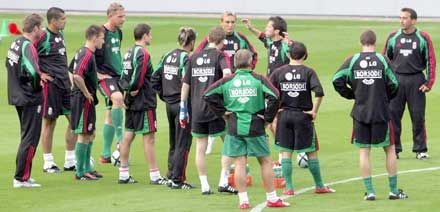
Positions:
{"x": 261, "y": 206}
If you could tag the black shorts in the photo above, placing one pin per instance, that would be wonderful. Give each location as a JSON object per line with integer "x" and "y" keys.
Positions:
{"x": 83, "y": 116}
{"x": 215, "y": 127}
{"x": 372, "y": 135}
{"x": 140, "y": 122}
{"x": 107, "y": 88}
{"x": 296, "y": 132}
{"x": 56, "y": 101}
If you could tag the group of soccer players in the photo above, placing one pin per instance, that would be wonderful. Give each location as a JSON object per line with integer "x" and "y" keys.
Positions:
{"x": 211, "y": 92}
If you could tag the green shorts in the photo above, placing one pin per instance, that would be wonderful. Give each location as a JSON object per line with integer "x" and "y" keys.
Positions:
{"x": 236, "y": 146}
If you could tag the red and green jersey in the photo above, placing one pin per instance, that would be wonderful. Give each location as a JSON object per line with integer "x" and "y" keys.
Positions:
{"x": 244, "y": 94}
{"x": 232, "y": 44}
{"x": 23, "y": 74}
{"x": 84, "y": 65}
{"x": 411, "y": 54}
{"x": 368, "y": 79}
{"x": 137, "y": 77}
{"x": 108, "y": 58}
{"x": 277, "y": 53}
{"x": 52, "y": 57}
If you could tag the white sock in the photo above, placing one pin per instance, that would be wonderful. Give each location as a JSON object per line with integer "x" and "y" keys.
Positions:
{"x": 69, "y": 158}
{"x": 48, "y": 160}
{"x": 124, "y": 173}
{"x": 223, "y": 178}
{"x": 243, "y": 197}
{"x": 204, "y": 183}
{"x": 154, "y": 174}
{"x": 280, "y": 157}
{"x": 272, "y": 196}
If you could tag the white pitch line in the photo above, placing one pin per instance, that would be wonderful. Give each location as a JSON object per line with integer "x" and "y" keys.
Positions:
{"x": 261, "y": 206}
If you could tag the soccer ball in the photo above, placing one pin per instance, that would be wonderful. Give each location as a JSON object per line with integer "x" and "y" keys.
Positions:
{"x": 115, "y": 158}
{"x": 302, "y": 160}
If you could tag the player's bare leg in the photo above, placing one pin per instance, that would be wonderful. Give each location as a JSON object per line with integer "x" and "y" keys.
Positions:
{"x": 69, "y": 158}
{"x": 391, "y": 166}
{"x": 365, "y": 166}
{"x": 223, "y": 185}
{"x": 201, "y": 145}
{"x": 47, "y": 130}
{"x": 267, "y": 175}
{"x": 240, "y": 181}
{"x": 150, "y": 157}
{"x": 124, "y": 150}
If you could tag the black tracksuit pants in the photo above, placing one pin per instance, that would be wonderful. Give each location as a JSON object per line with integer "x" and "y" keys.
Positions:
{"x": 30, "y": 128}
{"x": 180, "y": 143}
{"x": 410, "y": 94}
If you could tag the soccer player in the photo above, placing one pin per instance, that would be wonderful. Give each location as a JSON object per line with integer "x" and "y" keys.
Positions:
{"x": 233, "y": 42}
{"x": 240, "y": 99}
{"x": 109, "y": 62}
{"x": 24, "y": 92}
{"x": 202, "y": 70}
{"x": 167, "y": 81}
{"x": 275, "y": 40}
{"x": 367, "y": 78}
{"x": 140, "y": 99}
{"x": 295, "y": 127}
{"x": 56, "y": 94}
{"x": 84, "y": 100}
{"x": 410, "y": 51}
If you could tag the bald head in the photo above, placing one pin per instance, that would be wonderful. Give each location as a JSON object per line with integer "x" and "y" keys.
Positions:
{"x": 242, "y": 59}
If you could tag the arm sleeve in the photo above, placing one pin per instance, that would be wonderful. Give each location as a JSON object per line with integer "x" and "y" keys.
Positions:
{"x": 271, "y": 94}
{"x": 263, "y": 39}
{"x": 224, "y": 61}
{"x": 391, "y": 81}
{"x": 156, "y": 78}
{"x": 387, "y": 50}
{"x": 213, "y": 96}
{"x": 30, "y": 62}
{"x": 99, "y": 57}
{"x": 81, "y": 64}
{"x": 341, "y": 80}
{"x": 202, "y": 45}
{"x": 315, "y": 85}
{"x": 187, "y": 75}
{"x": 430, "y": 61}
{"x": 252, "y": 50}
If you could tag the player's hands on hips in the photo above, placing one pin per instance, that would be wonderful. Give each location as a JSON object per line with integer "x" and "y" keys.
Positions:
{"x": 45, "y": 77}
{"x": 89, "y": 97}
{"x": 227, "y": 115}
{"x": 103, "y": 76}
{"x": 134, "y": 93}
{"x": 311, "y": 113}
{"x": 183, "y": 114}
{"x": 423, "y": 88}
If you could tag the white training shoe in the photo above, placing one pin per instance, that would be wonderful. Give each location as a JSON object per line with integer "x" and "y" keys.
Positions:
{"x": 25, "y": 184}
{"x": 210, "y": 144}
{"x": 422, "y": 156}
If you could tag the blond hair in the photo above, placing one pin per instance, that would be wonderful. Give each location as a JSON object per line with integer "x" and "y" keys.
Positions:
{"x": 228, "y": 13}
{"x": 113, "y": 8}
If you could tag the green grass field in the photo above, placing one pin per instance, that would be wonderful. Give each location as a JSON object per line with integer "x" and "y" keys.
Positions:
{"x": 329, "y": 43}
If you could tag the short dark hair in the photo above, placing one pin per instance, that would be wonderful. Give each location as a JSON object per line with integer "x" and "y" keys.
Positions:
{"x": 93, "y": 31}
{"x": 242, "y": 59}
{"x": 216, "y": 35}
{"x": 412, "y": 12}
{"x": 54, "y": 13}
{"x": 298, "y": 50}
{"x": 186, "y": 36}
{"x": 31, "y": 21}
{"x": 279, "y": 24}
{"x": 368, "y": 37}
{"x": 140, "y": 30}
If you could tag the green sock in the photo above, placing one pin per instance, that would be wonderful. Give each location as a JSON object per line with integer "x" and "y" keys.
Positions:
{"x": 393, "y": 184}
{"x": 286, "y": 165}
{"x": 368, "y": 182}
{"x": 316, "y": 172}
{"x": 80, "y": 152}
{"x": 88, "y": 167}
{"x": 109, "y": 133}
{"x": 117, "y": 122}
